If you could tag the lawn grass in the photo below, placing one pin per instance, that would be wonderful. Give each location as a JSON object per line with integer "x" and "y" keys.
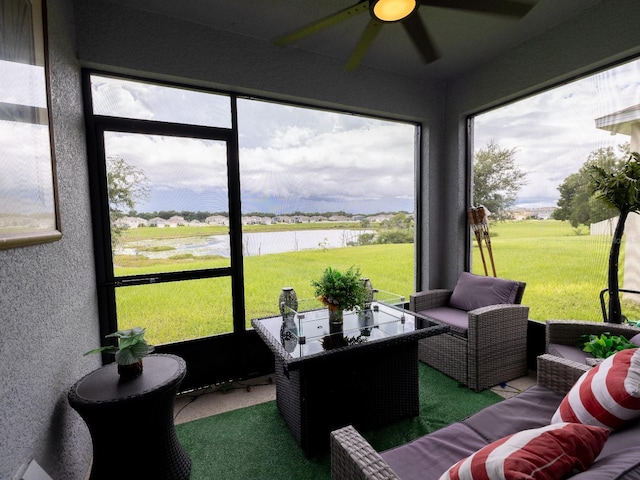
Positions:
{"x": 179, "y": 310}
{"x": 564, "y": 272}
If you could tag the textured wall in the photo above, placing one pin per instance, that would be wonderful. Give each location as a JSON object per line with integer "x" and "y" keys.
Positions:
{"x": 48, "y": 306}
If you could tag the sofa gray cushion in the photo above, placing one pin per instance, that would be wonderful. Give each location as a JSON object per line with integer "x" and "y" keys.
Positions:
{"x": 521, "y": 412}
{"x": 430, "y": 456}
{"x": 569, "y": 352}
{"x": 618, "y": 459}
{"x": 458, "y": 320}
{"x": 475, "y": 291}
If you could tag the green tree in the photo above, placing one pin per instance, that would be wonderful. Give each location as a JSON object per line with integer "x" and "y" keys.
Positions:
{"x": 619, "y": 188}
{"x": 496, "y": 179}
{"x": 126, "y": 185}
{"x": 576, "y": 203}
{"x": 400, "y": 221}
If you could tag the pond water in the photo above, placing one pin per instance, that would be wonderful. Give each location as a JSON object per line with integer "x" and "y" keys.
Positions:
{"x": 253, "y": 244}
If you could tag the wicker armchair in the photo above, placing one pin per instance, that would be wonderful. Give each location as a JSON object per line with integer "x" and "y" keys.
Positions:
{"x": 353, "y": 458}
{"x": 562, "y": 336}
{"x": 492, "y": 350}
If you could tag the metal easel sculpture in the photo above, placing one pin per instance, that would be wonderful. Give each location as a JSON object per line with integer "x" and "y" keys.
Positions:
{"x": 478, "y": 219}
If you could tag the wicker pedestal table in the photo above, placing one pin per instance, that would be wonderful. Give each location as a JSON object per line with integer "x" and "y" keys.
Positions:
{"x": 131, "y": 423}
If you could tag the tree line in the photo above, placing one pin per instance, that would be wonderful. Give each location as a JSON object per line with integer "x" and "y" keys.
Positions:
{"x": 497, "y": 180}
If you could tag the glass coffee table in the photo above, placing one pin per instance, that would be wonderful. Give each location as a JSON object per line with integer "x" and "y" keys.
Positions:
{"x": 366, "y": 375}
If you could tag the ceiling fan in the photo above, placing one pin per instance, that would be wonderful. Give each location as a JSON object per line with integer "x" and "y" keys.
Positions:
{"x": 406, "y": 12}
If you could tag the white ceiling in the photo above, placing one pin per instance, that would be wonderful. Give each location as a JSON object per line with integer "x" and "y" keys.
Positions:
{"x": 464, "y": 39}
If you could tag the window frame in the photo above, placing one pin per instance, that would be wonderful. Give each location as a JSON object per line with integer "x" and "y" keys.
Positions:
{"x": 220, "y": 349}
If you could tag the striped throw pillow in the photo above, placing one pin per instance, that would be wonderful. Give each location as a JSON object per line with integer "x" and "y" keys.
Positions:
{"x": 608, "y": 395}
{"x": 547, "y": 453}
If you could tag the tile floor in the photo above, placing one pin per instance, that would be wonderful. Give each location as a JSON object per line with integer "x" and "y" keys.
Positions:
{"x": 222, "y": 398}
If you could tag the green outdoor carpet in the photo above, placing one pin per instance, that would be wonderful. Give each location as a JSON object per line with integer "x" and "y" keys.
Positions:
{"x": 255, "y": 443}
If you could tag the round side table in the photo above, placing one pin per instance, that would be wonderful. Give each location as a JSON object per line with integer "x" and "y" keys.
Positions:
{"x": 131, "y": 423}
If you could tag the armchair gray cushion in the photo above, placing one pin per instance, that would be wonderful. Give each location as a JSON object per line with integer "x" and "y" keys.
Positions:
{"x": 458, "y": 320}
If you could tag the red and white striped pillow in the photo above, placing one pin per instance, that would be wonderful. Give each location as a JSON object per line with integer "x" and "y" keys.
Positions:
{"x": 547, "y": 453}
{"x": 607, "y": 395}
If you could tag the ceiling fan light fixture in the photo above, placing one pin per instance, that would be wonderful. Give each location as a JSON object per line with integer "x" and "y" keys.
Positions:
{"x": 392, "y": 10}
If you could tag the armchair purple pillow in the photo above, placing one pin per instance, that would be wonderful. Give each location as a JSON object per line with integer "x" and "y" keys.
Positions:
{"x": 475, "y": 291}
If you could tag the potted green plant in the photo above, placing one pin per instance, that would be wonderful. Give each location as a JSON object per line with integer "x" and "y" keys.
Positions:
{"x": 340, "y": 291}
{"x": 605, "y": 345}
{"x": 619, "y": 188}
{"x": 131, "y": 349}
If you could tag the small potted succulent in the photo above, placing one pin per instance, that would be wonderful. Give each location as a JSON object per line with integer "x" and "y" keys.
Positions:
{"x": 131, "y": 349}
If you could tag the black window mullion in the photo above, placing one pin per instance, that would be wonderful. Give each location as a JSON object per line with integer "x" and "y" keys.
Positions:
{"x": 235, "y": 223}
{"x": 150, "y": 127}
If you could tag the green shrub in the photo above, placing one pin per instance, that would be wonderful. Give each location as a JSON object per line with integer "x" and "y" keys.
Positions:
{"x": 605, "y": 345}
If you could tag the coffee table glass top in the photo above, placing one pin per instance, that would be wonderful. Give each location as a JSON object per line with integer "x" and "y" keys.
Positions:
{"x": 308, "y": 332}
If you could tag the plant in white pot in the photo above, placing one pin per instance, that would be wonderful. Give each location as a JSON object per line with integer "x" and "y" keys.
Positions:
{"x": 131, "y": 349}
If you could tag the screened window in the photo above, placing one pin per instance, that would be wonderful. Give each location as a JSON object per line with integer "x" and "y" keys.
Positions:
{"x": 320, "y": 189}
{"x": 548, "y": 230}
{"x": 118, "y": 97}
{"x": 205, "y": 219}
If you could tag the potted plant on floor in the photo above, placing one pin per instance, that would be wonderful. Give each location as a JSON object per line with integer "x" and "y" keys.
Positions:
{"x": 603, "y": 346}
{"x": 131, "y": 349}
{"x": 619, "y": 188}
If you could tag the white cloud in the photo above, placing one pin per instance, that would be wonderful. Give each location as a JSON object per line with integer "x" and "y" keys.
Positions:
{"x": 22, "y": 84}
{"x": 554, "y": 132}
{"x": 293, "y": 156}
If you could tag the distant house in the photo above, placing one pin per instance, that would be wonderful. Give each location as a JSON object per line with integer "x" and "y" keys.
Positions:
{"x": 284, "y": 219}
{"x": 380, "y": 218}
{"x": 538, "y": 213}
{"x": 176, "y": 221}
{"x": 157, "y": 222}
{"x": 131, "y": 222}
{"x": 217, "y": 220}
{"x": 255, "y": 220}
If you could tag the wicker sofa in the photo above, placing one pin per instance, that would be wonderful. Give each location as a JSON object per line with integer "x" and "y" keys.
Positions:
{"x": 562, "y": 336}
{"x": 428, "y": 457}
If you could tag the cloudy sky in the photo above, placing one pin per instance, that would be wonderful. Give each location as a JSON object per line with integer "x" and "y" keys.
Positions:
{"x": 291, "y": 158}
{"x": 308, "y": 160}
{"x": 554, "y": 132}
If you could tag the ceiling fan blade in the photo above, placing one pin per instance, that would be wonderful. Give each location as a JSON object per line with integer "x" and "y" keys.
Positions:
{"x": 321, "y": 24}
{"x": 499, "y": 7}
{"x": 367, "y": 37}
{"x": 421, "y": 39}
